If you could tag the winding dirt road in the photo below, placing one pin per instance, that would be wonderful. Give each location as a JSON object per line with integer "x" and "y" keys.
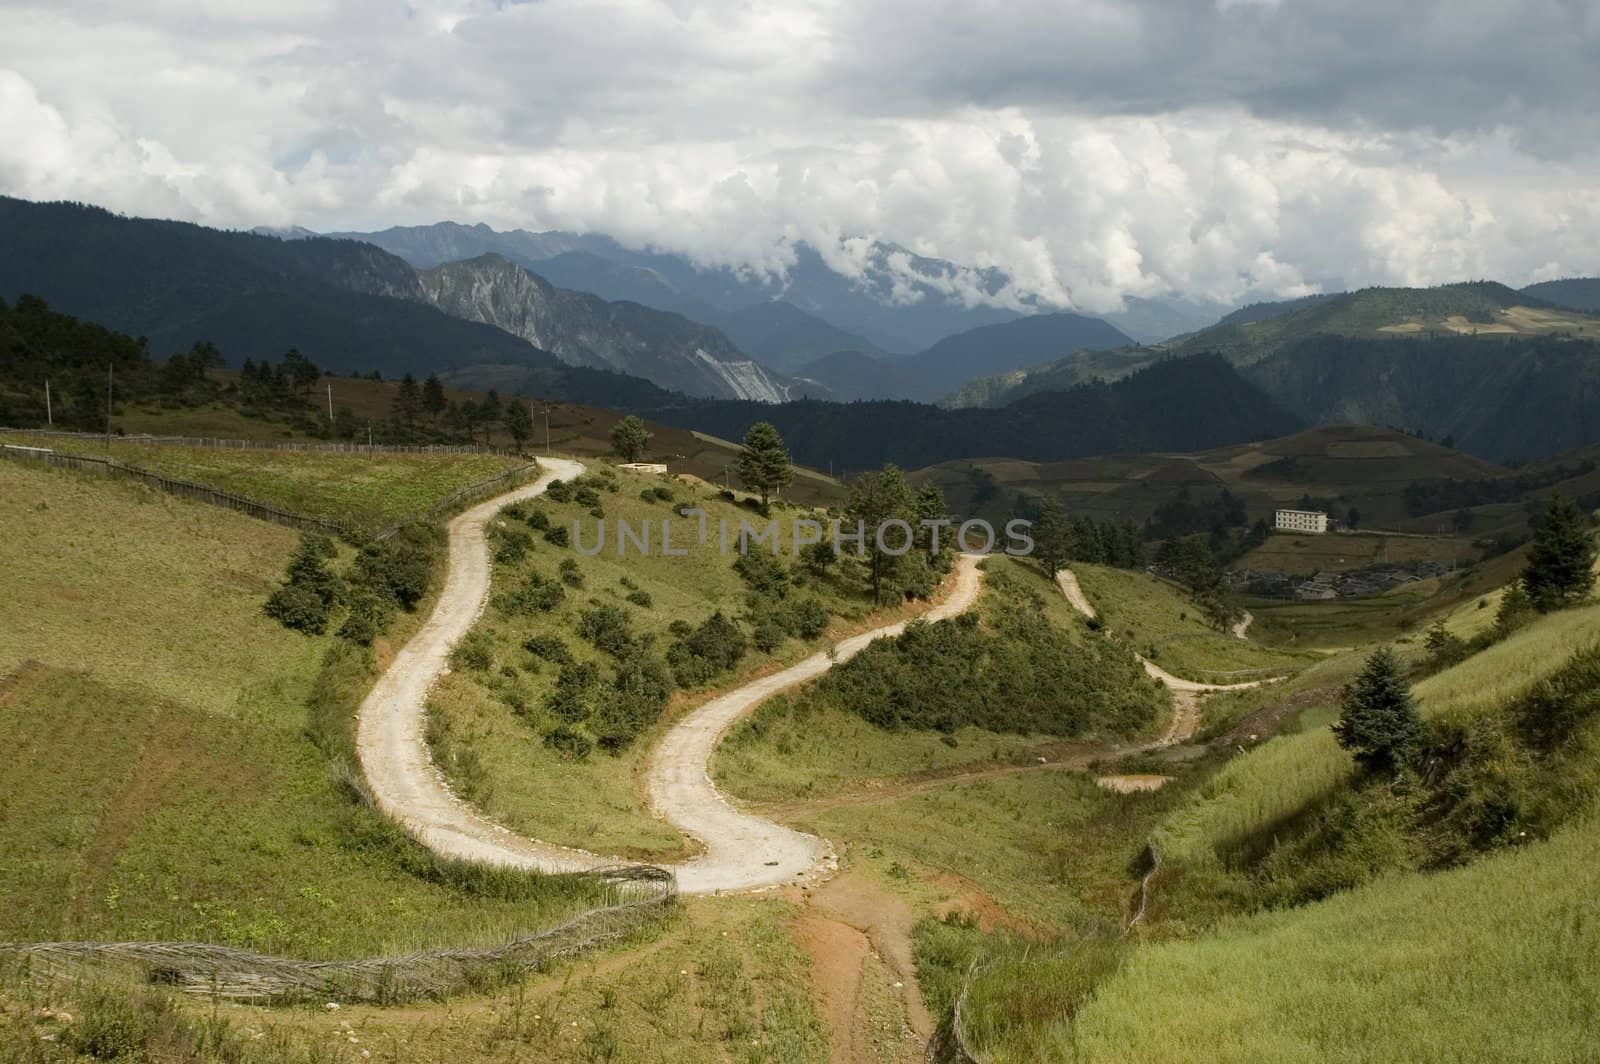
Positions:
{"x": 1185, "y": 693}
{"x": 741, "y": 851}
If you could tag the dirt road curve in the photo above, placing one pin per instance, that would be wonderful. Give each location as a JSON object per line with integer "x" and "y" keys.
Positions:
{"x": 1185, "y": 693}
{"x": 742, "y": 852}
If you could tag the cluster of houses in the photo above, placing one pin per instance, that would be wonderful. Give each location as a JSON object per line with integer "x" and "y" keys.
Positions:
{"x": 1334, "y": 585}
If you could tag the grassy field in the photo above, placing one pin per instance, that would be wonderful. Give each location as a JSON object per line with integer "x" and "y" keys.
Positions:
{"x": 1488, "y": 963}
{"x": 1157, "y": 620}
{"x": 725, "y": 981}
{"x": 497, "y": 757}
{"x": 1286, "y": 775}
{"x": 366, "y": 490}
{"x": 1339, "y": 552}
{"x": 154, "y": 723}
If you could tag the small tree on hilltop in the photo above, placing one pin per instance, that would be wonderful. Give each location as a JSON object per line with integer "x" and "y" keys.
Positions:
{"x": 1051, "y": 538}
{"x": 1378, "y": 722}
{"x": 764, "y": 462}
{"x": 1560, "y": 568}
{"x": 629, "y": 438}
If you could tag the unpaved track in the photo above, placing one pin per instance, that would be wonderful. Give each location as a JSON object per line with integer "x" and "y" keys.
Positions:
{"x": 742, "y": 852}
{"x": 1185, "y": 693}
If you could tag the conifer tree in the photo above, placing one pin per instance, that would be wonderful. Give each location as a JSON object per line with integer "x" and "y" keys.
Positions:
{"x": 629, "y": 438}
{"x": 1378, "y": 721}
{"x": 764, "y": 462}
{"x": 1560, "y": 568}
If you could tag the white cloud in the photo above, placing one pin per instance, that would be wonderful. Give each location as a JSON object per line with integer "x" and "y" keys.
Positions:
{"x": 1090, "y": 150}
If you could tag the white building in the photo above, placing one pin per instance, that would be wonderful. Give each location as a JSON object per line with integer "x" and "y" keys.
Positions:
{"x": 1313, "y": 521}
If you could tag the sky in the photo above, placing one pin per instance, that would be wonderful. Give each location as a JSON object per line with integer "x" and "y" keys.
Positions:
{"x": 1226, "y": 150}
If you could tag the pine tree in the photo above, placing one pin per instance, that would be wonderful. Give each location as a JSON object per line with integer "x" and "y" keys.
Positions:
{"x": 1560, "y": 568}
{"x": 763, "y": 462}
{"x": 1052, "y": 538}
{"x": 519, "y": 422}
{"x": 407, "y": 402}
{"x": 1378, "y": 722}
{"x": 629, "y": 438}
{"x": 433, "y": 399}
{"x": 875, "y": 499}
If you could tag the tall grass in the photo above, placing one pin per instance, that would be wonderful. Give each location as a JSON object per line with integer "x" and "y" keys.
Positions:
{"x": 1489, "y": 963}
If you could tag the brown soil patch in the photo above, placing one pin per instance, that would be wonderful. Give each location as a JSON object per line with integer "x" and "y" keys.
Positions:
{"x": 886, "y": 921}
{"x": 968, "y": 897}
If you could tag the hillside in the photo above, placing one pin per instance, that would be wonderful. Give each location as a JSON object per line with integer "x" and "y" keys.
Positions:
{"x": 585, "y": 330}
{"x": 1012, "y": 345}
{"x": 1573, "y": 293}
{"x": 1182, "y": 404}
{"x": 781, "y": 335}
{"x": 347, "y": 306}
{"x": 1499, "y": 373}
{"x": 847, "y": 376}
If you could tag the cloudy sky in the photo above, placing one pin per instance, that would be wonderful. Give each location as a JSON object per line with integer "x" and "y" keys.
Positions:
{"x": 1093, "y": 150}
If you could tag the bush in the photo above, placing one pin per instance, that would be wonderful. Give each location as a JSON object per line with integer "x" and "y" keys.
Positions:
{"x": 536, "y": 594}
{"x": 714, "y": 647}
{"x": 808, "y": 618}
{"x": 559, "y": 491}
{"x": 475, "y": 652}
{"x": 510, "y": 544}
{"x": 768, "y": 636}
{"x": 401, "y": 567}
{"x": 369, "y": 614}
{"x": 765, "y": 574}
{"x": 538, "y": 520}
{"x": 641, "y": 599}
{"x": 577, "y": 686}
{"x": 549, "y": 647}
{"x": 556, "y": 535}
{"x": 569, "y": 743}
{"x": 571, "y": 575}
{"x": 609, "y": 628}
{"x": 299, "y": 607}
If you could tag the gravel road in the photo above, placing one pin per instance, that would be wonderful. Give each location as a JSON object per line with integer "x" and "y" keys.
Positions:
{"x": 741, "y": 852}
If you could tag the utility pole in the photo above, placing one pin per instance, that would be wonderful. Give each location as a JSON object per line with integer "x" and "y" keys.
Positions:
{"x": 547, "y": 430}
{"x": 330, "y": 402}
{"x": 49, "y": 412}
{"x": 109, "y": 369}
{"x": 369, "y": 432}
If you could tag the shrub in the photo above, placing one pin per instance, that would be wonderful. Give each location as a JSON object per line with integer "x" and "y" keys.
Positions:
{"x": 538, "y": 520}
{"x": 475, "y": 652}
{"x": 569, "y": 743}
{"x": 641, "y": 599}
{"x": 765, "y": 574}
{"x": 609, "y": 628}
{"x": 369, "y": 614}
{"x": 768, "y": 636}
{"x": 401, "y": 567}
{"x": 556, "y": 535}
{"x": 299, "y": 607}
{"x": 511, "y": 545}
{"x": 549, "y": 647}
{"x": 714, "y": 647}
{"x": 575, "y": 691}
{"x": 571, "y": 575}
{"x": 559, "y": 491}
{"x": 808, "y": 618}
{"x": 536, "y": 594}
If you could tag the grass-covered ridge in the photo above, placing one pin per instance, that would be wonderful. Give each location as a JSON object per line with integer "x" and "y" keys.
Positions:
{"x": 369, "y": 491}
{"x": 168, "y": 745}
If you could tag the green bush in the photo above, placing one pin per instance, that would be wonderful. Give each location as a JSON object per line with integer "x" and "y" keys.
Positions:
{"x": 510, "y": 544}
{"x": 714, "y": 647}
{"x": 571, "y": 575}
{"x": 641, "y": 599}
{"x": 568, "y": 742}
{"x": 536, "y": 594}
{"x": 609, "y": 628}
{"x": 557, "y": 536}
{"x": 298, "y": 607}
{"x": 549, "y": 647}
{"x": 475, "y": 651}
{"x": 558, "y": 491}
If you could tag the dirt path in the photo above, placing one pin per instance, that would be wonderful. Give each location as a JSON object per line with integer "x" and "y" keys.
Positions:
{"x": 1185, "y": 693}
{"x": 742, "y": 851}
{"x": 1242, "y": 625}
